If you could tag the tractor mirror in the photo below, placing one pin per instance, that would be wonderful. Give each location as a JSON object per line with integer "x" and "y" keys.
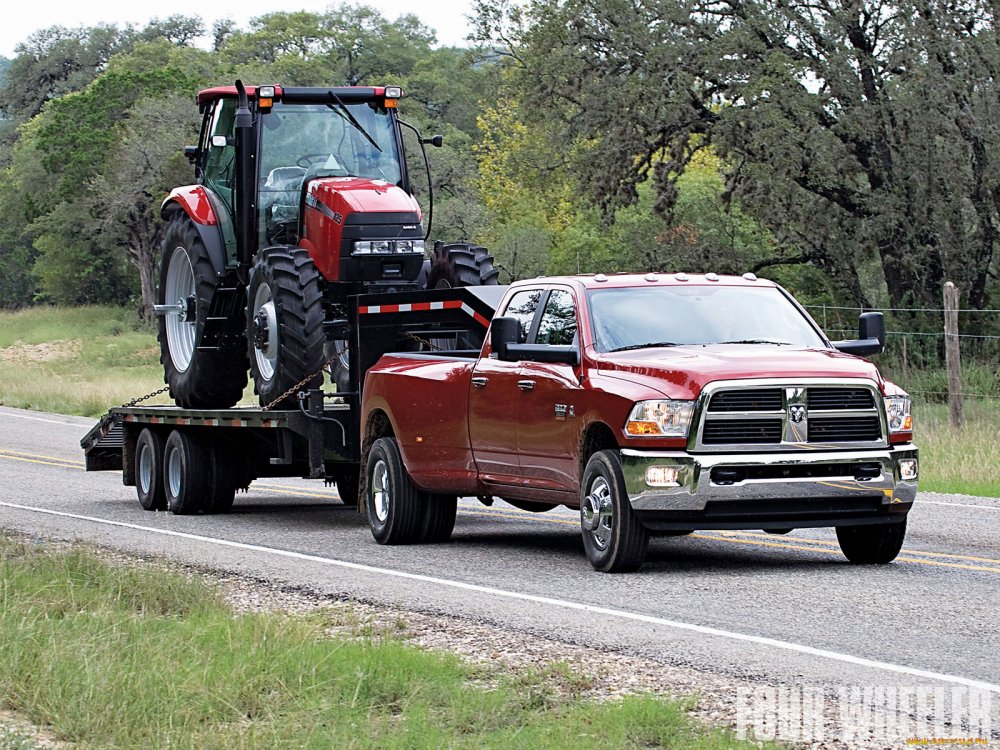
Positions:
{"x": 191, "y": 152}
{"x": 220, "y": 141}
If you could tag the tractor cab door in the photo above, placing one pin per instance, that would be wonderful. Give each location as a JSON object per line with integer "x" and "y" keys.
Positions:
{"x": 218, "y": 172}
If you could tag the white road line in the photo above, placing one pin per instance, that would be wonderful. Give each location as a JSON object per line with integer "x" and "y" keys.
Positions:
{"x": 960, "y": 505}
{"x": 40, "y": 419}
{"x": 561, "y": 603}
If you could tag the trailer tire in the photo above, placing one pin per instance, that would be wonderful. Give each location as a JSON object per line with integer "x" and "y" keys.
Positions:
{"x": 149, "y": 471}
{"x": 396, "y": 508}
{"x": 187, "y": 475}
{"x": 439, "y": 518}
{"x": 614, "y": 539}
{"x": 198, "y": 378}
{"x": 285, "y": 324}
{"x": 872, "y": 545}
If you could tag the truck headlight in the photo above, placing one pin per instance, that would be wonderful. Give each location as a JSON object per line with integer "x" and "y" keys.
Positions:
{"x": 898, "y": 410}
{"x": 669, "y": 418}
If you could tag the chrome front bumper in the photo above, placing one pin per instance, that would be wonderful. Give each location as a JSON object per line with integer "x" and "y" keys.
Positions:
{"x": 797, "y": 478}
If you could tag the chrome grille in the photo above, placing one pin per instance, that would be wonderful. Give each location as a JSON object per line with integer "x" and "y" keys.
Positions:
{"x": 795, "y": 415}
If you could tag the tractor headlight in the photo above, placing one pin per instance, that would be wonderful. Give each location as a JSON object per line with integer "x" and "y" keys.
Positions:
{"x": 387, "y": 247}
{"x": 669, "y": 418}
{"x": 898, "y": 410}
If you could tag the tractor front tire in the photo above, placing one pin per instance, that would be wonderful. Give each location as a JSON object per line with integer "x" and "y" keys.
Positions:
{"x": 198, "y": 378}
{"x": 461, "y": 264}
{"x": 284, "y": 324}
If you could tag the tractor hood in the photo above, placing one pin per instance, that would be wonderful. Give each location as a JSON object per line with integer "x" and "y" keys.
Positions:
{"x": 347, "y": 195}
{"x": 682, "y": 371}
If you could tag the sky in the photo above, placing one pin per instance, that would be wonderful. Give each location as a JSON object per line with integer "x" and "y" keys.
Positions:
{"x": 22, "y": 17}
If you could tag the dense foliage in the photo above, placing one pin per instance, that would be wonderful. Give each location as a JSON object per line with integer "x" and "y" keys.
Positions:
{"x": 849, "y": 150}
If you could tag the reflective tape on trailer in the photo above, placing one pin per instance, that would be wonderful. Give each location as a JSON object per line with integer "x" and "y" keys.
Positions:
{"x": 452, "y": 304}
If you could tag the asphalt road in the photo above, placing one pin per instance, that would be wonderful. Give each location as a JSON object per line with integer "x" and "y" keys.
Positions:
{"x": 746, "y": 606}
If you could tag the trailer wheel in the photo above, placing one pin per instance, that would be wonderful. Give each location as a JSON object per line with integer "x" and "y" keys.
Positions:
{"x": 614, "y": 539}
{"x": 285, "y": 323}
{"x": 439, "y": 518}
{"x": 149, "y": 471}
{"x": 396, "y": 509}
{"x": 872, "y": 545}
{"x": 187, "y": 474}
{"x": 198, "y": 378}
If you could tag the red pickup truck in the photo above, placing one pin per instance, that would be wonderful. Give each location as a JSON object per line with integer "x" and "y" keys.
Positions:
{"x": 656, "y": 404}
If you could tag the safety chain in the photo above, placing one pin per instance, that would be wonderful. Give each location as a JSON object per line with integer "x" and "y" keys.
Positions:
{"x": 295, "y": 388}
{"x": 140, "y": 399}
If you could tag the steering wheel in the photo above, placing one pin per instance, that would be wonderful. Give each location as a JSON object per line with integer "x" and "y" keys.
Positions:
{"x": 307, "y": 159}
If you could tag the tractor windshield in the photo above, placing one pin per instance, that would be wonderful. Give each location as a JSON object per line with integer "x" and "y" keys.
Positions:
{"x": 302, "y": 141}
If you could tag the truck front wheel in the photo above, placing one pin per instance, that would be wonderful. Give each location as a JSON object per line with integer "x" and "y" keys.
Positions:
{"x": 614, "y": 539}
{"x": 396, "y": 508}
{"x": 871, "y": 545}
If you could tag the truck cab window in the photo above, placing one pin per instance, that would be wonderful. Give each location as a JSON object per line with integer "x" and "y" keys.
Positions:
{"x": 558, "y": 324}
{"x": 523, "y": 306}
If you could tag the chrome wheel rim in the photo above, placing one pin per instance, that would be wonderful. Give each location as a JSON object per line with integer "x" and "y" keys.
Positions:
{"x": 596, "y": 513}
{"x": 265, "y": 333}
{"x": 179, "y": 289}
{"x": 380, "y": 491}
{"x": 174, "y": 472}
{"x": 145, "y": 468}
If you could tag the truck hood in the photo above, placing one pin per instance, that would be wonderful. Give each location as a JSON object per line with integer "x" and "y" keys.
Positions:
{"x": 682, "y": 371}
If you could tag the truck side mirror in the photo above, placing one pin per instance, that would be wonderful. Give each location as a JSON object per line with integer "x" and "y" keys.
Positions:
{"x": 871, "y": 336}
{"x": 503, "y": 332}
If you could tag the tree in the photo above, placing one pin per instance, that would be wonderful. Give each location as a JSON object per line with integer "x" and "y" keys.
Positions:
{"x": 852, "y": 131}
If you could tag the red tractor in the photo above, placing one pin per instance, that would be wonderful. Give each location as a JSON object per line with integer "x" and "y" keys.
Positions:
{"x": 302, "y": 199}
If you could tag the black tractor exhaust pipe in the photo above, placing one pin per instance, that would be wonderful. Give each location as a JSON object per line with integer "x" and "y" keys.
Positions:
{"x": 246, "y": 193}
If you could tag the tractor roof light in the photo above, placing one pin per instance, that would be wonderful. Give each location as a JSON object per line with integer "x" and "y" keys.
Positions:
{"x": 393, "y": 92}
{"x": 265, "y": 97}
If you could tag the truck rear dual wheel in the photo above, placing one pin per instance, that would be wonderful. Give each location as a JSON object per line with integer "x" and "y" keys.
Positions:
{"x": 198, "y": 378}
{"x": 872, "y": 545}
{"x": 284, "y": 323}
{"x": 398, "y": 512}
{"x": 614, "y": 539}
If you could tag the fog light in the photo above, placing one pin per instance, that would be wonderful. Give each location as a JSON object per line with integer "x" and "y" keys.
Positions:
{"x": 908, "y": 468}
{"x": 662, "y": 476}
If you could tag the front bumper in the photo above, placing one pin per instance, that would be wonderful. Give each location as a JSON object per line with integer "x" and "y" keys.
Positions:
{"x": 771, "y": 490}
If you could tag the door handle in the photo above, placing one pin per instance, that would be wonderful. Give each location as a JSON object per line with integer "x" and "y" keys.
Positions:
{"x": 480, "y": 382}
{"x": 525, "y": 385}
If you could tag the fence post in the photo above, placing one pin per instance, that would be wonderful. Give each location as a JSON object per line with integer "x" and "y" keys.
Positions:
{"x": 951, "y": 354}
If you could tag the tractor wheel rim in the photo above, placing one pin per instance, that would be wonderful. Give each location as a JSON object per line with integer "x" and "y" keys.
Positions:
{"x": 266, "y": 352}
{"x": 596, "y": 513}
{"x": 174, "y": 472}
{"x": 180, "y": 287}
{"x": 145, "y": 469}
{"x": 380, "y": 491}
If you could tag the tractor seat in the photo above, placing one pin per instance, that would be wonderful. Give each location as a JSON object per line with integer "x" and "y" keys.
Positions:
{"x": 279, "y": 202}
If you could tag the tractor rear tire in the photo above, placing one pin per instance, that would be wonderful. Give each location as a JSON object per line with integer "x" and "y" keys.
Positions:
{"x": 198, "y": 378}
{"x": 284, "y": 324}
{"x": 461, "y": 264}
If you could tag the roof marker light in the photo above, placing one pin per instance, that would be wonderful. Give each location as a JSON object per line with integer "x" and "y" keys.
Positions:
{"x": 651, "y": 277}
{"x": 711, "y": 277}
{"x": 600, "y": 278}
{"x": 750, "y": 276}
{"x": 681, "y": 276}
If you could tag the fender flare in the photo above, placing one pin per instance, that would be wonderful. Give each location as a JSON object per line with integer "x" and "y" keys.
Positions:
{"x": 201, "y": 207}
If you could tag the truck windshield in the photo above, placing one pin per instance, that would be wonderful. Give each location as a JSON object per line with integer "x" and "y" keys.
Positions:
{"x": 636, "y": 317}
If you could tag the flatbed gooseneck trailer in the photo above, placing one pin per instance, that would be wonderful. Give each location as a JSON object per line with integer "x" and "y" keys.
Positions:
{"x": 194, "y": 460}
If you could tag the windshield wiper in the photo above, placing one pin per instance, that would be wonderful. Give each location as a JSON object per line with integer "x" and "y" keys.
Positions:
{"x": 649, "y": 345}
{"x": 352, "y": 119}
{"x": 757, "y": 341}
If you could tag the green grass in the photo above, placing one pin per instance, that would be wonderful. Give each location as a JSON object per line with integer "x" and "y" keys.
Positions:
{"x": 121, "y": 657}
{"x": 964, "y": 460}
{"x": 78, "y": 360}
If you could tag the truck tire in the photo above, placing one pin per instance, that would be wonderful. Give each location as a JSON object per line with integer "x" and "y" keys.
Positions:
{"x": 614, "y": 539}
{"x": 461, "y": 264}
{"x": 439, "y": 518}
{"x": 149, "y": 470}
{"x": 187, "y": 473}
{"x": 396, "y": 509}
{"x": 198, "y": 378}
{"x": 872, "y": 545}
{"x": 284, "y": 323}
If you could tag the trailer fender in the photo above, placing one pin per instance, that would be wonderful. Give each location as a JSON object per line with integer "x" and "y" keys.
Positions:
{"x": 201, "y": 207}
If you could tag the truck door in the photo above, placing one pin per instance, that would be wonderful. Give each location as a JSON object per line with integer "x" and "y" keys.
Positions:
{"x": 494, "y": 399}
{"x": 548, "y": 430}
